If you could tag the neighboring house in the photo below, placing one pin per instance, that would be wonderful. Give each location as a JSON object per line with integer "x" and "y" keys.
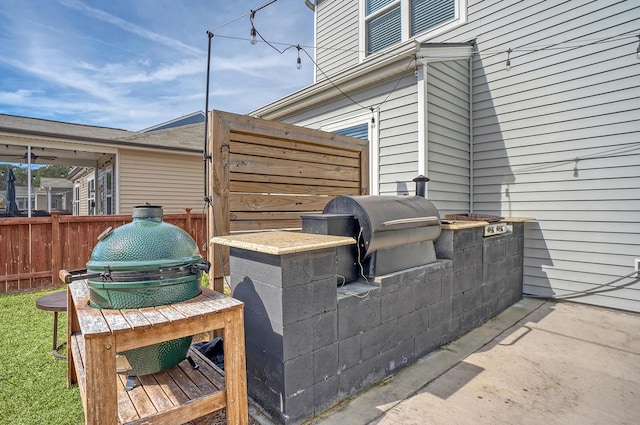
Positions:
{"x": 54, "y": 194}
{"x": 114, "y": 169}
{"x": 554, "y": 135}
{"x": 193, "y": 118}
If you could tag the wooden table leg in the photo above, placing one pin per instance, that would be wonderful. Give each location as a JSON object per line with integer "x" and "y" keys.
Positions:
{"x": 101, "y": 389}
{"x": 235, "y": 369}
{"x": 72, "y": 327}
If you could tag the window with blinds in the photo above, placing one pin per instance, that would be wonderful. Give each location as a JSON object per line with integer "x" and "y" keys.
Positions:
{"x": 387, "y": 20}
{"x": 360, "y": 131}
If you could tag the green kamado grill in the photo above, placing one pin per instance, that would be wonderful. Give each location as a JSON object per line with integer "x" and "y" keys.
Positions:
{"x": 145, "y": 263}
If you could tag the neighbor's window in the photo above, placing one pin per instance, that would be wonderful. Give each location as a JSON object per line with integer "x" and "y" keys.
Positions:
{"x": 388, "y": 22}
{"x": 76, "y": 199}
{"x": 91, "y": 196}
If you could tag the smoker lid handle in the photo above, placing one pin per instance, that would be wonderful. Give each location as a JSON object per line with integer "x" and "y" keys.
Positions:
{"x": 432, "y": 220}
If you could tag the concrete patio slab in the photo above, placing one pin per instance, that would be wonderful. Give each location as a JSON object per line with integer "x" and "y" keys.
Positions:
{"x": 538, "y": 362}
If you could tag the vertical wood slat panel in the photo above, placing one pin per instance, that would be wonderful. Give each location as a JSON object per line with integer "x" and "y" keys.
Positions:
{"x": 288, "y": 158}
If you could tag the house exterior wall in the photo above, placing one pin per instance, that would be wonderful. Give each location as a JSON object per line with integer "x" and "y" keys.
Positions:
{"x": 448, "y": 150}
{"x": 336, "y": 29}
{"x": 171, "y": 180}
{"x": 554, "y": 138}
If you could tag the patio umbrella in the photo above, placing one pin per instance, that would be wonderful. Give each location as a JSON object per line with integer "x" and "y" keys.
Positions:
{"x": 12, "y": 204}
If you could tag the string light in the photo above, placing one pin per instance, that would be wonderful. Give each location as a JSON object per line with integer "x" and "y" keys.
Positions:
{"x": 254, "y": 34}
{"x": 253, "y": 38}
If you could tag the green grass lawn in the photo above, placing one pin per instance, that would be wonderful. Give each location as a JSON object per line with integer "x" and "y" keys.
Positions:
{"x": 33, "y": 384}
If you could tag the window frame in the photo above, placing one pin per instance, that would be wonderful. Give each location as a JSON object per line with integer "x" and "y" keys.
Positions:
{"x": 405, "y": 19}
{"x": 76, "y": 199}
{"x": 374, "y": 142}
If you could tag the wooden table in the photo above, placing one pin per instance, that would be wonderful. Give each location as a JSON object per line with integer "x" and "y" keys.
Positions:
{"x": 174, "y": 396}
{"x": 55, "y": 302}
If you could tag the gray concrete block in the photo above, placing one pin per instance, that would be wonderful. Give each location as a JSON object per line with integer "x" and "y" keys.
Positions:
{"x": 349, "y": 352}
{"x": 433, "y": 289}
{"x": 402, "y": 277}
{"x": 298, "y": 407}
{"x": 298, "y": 374}
{"x": 406, "y": 300}
{"x": 494, "y": 271}
{"x": 514, "y": 245}
{"x": 491, "y": 307}
{"x": 399, "y": 356}
{"x": 440, "y": 266}
{"x": 357, "y": 312}
{"x": 270, "y": 400}
{"x": 263, "y": 333}
{"x": 513, "y": 280}
{"x": 379, "y": 339}
{"x": 447, "y": 284}
{"x": 439, "y": 312}
{"x": 389, "y": 306}
{"x": 256, "y": 264}
{"x": 472, "y": 318}
{"x": 466, "y": 238}
{"x": 472, "y": 298}
{"x": 266, "y": 369}
{"x": 357, "y": 377}
{"x": 325, "y": 329}
{"x": 444, "y": 244}
{"x": 306, "y": 300}
{"x": 429, "y": 340}
{"x": 304, "y": 267}
{"x": 325, "y": 363}
{"x": 494, "y": 249}
{"x": 518, "y": 229}
{"x": 491, "y": 289}
{"x": 467, "y": 279}
{"x": 298, "y": 338}
{"x": 414, "y": 323}
{"x": 326, "y": 394}
{"x": 467, "y": 258}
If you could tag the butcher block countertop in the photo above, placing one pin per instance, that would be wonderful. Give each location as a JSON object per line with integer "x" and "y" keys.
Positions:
{"x": 280, "y": 242}
{"x": 461, "y": 224}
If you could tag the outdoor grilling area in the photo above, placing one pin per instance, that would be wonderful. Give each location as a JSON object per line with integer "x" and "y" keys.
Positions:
{"x": 369, "y": 286}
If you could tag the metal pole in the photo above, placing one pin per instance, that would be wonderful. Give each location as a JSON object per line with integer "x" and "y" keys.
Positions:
{"x": 29, "y": 181}
{"x": 206, "y": 157}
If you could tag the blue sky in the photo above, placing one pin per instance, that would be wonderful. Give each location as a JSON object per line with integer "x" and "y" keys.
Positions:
{"x": 132, "y": 64}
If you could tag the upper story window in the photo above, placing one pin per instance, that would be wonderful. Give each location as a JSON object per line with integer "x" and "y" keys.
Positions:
{"x": 388, "y": 22}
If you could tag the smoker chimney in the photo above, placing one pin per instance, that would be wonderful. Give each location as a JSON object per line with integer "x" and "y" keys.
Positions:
{"x": 421, "y": 185}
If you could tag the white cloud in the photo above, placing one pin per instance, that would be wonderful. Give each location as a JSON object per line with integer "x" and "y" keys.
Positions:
{"x": 130, "y": 27}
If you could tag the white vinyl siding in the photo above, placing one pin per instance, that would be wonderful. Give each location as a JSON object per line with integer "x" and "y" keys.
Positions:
{"x": 556, "y": 138}
{"x": 448, "y": 130}
{"x": 337, "y": 32}
{"x": 171, "y": 180}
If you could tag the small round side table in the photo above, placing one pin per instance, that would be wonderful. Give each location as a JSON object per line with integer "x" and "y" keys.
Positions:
{"x": 55, "y": 302}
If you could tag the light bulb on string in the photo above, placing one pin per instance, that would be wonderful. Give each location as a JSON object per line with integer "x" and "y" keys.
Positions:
{"x": 638, "y": 49}
{"x": 508, "y": 64}
{"x": 253, "y": 36}
{"x": 298, "y": 61}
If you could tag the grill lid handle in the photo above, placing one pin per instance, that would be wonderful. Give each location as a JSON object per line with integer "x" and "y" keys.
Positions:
{"x": 431, "y": 220}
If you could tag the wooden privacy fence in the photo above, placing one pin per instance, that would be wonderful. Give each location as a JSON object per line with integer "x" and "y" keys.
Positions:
{"x": 34, "y": 250}
{"x": 264, "y": 175}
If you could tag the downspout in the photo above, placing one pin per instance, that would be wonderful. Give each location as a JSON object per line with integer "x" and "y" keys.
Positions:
{"x": 471, "y": 153}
